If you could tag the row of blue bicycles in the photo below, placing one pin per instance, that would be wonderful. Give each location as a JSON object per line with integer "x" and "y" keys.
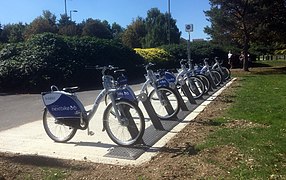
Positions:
{"x": 123, "y": 120}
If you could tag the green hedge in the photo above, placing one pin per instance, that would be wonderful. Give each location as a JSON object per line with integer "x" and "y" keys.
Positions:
{"x": 169, "y": 56}
{"x": 198, "y": 49}
{"x": 48, "y": 59}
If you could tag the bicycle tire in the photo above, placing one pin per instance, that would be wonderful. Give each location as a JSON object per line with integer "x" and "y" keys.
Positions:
{"x": 216, "y": 77}
{"x": 206, "y": 82}
{"x": 196, "y": 86}
{"x": 68, "y": 132}
{"x": 170, "y": 107}
{"x": 106, "y": 100}
{"x": 130, "y": 130}
{"x": 226, "y": 73}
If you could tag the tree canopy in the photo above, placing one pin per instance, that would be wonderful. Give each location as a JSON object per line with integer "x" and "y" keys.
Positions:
{"x": 142, "y": 32}
{"x": 243, "y": 23}
{"x": 151, "y": 31}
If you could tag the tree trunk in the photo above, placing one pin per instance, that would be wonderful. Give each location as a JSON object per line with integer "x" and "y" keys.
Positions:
{"x": 245, "y": 52}
{"x": 245, "y": 61}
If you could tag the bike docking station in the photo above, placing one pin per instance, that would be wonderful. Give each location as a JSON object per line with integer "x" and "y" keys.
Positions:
{"x": 156, "y": 132}
{"x": 150, "y": 111}
{"x": 99, "y": 148}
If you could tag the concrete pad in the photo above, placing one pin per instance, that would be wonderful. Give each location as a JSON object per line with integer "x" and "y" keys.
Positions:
{"x": 31, "y": 139}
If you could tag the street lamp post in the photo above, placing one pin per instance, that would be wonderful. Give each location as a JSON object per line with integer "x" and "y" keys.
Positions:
{"x": 71, "y": 13}
{"x": 66, "y": 8}
{"x": 169, "y": 22}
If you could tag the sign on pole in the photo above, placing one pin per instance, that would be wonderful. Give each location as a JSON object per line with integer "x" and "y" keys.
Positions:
{"x": 189, "y": 27}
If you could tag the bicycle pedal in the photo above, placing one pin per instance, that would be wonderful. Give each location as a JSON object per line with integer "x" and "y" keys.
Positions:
{"x": 90, "y": 133}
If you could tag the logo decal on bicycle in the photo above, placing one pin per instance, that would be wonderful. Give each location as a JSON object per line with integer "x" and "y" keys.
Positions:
{"x": 64, "y": 108}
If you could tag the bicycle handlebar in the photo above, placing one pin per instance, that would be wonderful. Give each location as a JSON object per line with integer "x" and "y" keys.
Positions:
{"x": 102, "y": 68}
{"x": 147, "y": 66}
{"x": 183, "y": 61}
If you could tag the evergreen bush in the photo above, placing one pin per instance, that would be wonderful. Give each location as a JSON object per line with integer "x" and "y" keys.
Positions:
{"x": 47, "y": 59}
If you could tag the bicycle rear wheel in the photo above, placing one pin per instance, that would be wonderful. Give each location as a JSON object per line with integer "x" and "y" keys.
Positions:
{"x": 129, "y": 129}
{"x": 56, "y": 130}
{"x": 169, "y": 107}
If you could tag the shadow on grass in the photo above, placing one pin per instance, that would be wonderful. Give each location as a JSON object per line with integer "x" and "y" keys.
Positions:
{"x": 40, "y": 161}
{"x": 257, "y": 64}
{"x": 188, "y": 149}
{"x": 208, "y": 123}
{"x": 271, "y": 71}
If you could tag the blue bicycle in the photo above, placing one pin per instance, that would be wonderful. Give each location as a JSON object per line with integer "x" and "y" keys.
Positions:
{"x": 64, "y": 114}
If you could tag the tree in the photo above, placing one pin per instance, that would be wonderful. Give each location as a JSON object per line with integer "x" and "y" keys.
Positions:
{"x": 235, "y": 21}
{"x": 96, "y": 28}
{"x": 135, "y": 32}
{"x": 12, "y": 33}
{"x": 64, "y": 20}
{"x": 247, "y": 22}
{"x": 44, "y": 23}
{"x": 116, "y": 30}
{"x": 1, "y": 30}
{"x": 271, "y": 31}
{"x": 152, "y": 31}
{"x": 67, "y": 27}
{"x": 17, "y": 33}
{"x": 157, "y": 26}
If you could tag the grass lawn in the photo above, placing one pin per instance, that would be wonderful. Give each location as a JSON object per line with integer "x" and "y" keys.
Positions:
{"x": 259, "y": 100}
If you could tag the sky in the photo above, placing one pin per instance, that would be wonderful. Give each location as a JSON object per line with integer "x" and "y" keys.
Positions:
{"x": 120, "y": 11}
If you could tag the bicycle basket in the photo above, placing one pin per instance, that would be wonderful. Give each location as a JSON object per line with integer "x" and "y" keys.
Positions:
{"x": 62, "y": 105}
{"x": 125, "y": 93}
{"x": 162, "y": 82}
{"x": 122, "y": 80}
{"x": 170, "y": 77}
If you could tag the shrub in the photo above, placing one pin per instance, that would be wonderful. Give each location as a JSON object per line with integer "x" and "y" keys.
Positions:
{"x": 47, "y": 59}
{"x": 155, "y": 55}
{"x": 198, "y": 51}
{"x": 280, "y": 52}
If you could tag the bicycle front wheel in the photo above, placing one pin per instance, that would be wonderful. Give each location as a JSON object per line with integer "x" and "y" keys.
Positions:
{"x": 169, "y": 105}
{"x": 226, "y": 73}
{"x": 216, "y": 77}
{"x": 129, "y": 129}
{"x": 196, "y": 86}
{"x": 56, "y": 130}
{"x": 206, "y": 82}
{"x": 106, "y": 100}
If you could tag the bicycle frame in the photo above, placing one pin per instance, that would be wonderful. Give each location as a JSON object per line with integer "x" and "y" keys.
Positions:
{"x": 97, "y": 101}
{"x": 152, "y": 80}
{"x": 182, "y": 74}
{"x": 217, "y": 65}
{"x": 76, "y": 110}
{"x": 206, "y": 69}
{"x": 108, "y": 89}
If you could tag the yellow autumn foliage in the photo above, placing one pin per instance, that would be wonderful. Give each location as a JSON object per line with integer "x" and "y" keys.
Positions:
{"x": 154, "y": 54}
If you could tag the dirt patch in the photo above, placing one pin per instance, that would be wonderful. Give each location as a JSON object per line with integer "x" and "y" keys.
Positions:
{"x": 242, "y": 124}
{"x": 179, "y": 159}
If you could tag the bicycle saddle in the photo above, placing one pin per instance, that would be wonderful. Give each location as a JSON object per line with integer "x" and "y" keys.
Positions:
{"x": 119, "y": 71}
{"x": 71, "y": 89}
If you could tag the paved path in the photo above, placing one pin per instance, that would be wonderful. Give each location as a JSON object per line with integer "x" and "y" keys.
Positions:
{"x": 16, "y": 110}
{"x": 30, "y": 138}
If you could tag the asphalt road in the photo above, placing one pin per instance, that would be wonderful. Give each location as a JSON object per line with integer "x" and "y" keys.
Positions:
{"x": 16, "y": 110}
